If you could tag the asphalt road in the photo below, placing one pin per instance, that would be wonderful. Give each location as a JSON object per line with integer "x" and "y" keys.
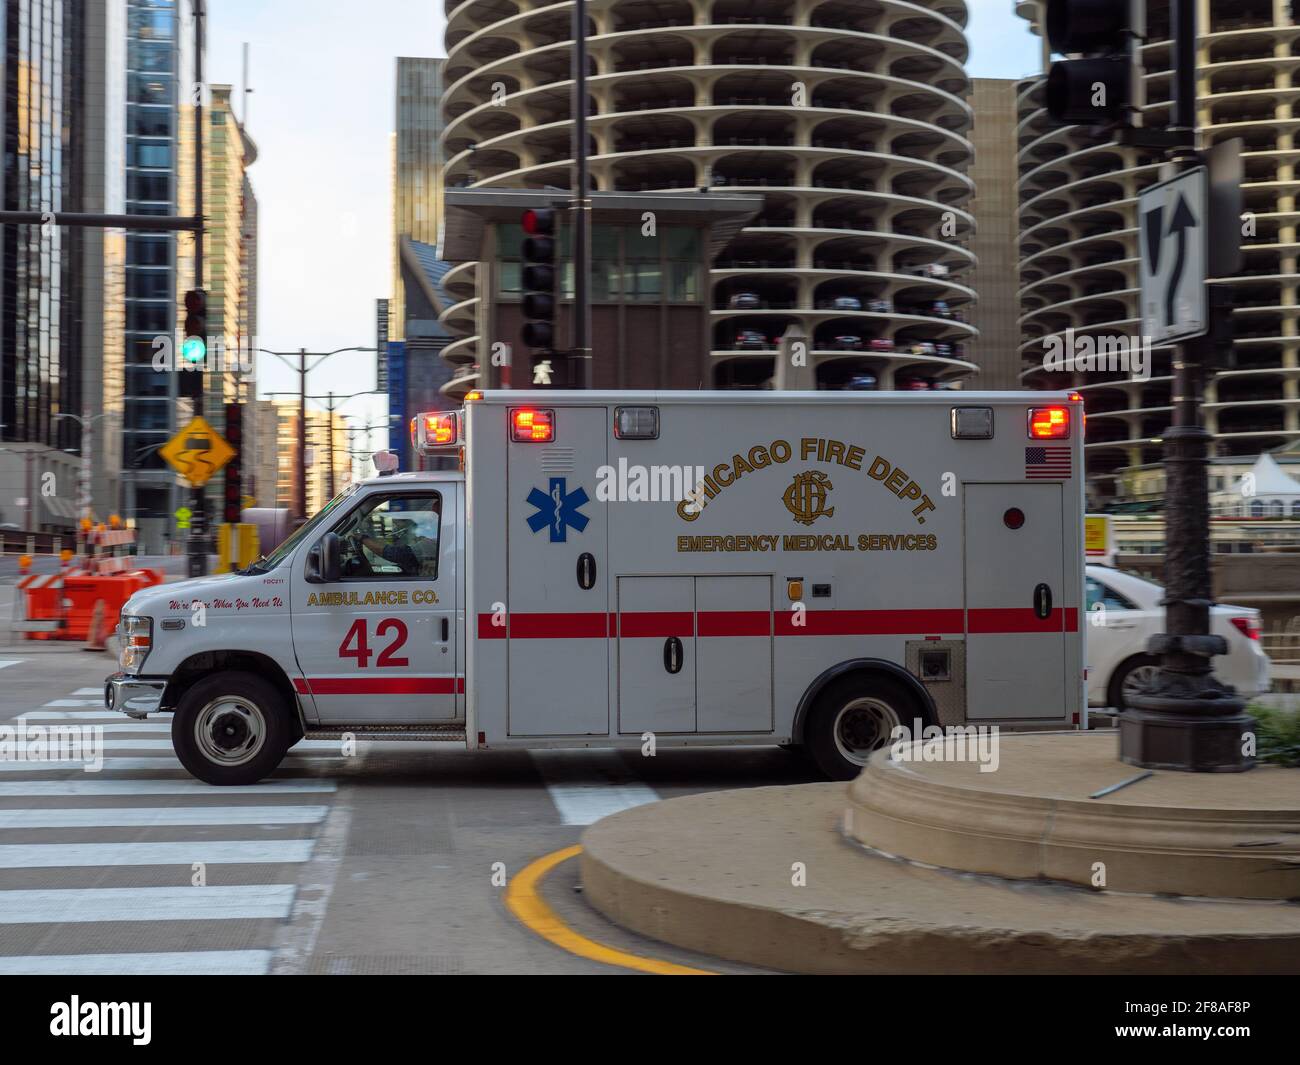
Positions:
{"x": 379, "y": 862}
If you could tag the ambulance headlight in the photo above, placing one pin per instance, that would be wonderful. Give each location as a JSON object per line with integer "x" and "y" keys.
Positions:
{"x": 137, "y": 638}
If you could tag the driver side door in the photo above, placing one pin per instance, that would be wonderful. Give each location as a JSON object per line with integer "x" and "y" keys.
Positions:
{"x": 377, "y": 645}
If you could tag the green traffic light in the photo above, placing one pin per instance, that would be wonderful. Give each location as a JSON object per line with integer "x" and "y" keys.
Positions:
{"x": 193, "y": 350}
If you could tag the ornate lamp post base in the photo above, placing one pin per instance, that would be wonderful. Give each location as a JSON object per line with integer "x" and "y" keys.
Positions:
{"x": 1187, "y": 720}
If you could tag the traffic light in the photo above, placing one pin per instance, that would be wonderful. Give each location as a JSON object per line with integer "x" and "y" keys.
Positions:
{"x": 1097, "y": 87}
{"x": 234, "y": 468}
{"x": 194, "y": 346}
{"x": 194, "y": 343}
{"x": 538, "y": 279}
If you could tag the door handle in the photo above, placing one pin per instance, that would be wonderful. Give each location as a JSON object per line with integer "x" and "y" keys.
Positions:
{"x": 1043, "y": 602}
{"x": 586, "y": 570}
{"x": 446, "y": 629}
{"x": 673, "y": 654}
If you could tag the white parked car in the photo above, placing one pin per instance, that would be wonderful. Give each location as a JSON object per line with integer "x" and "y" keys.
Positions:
{"x": 1117, "y": 660}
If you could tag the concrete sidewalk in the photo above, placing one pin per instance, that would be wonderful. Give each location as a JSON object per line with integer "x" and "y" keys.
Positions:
{"x": 767, "y": 877}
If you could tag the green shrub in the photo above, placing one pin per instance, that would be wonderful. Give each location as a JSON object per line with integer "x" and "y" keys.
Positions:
{"x": 1279, "y": 735}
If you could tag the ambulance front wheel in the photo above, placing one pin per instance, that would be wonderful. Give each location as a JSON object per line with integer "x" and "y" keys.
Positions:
{"x": 231, "y": 728}
{"x": 854, "y": 717}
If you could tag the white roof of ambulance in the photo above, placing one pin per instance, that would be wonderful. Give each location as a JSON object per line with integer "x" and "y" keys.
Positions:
{"x": 418, "y": 477}
{"x": 957, "y": 398}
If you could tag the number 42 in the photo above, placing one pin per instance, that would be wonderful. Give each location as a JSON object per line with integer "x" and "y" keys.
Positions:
{"x": 362, "y": 652}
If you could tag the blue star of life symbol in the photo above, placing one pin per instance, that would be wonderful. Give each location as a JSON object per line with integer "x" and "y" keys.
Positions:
{"x": 559, "y": 509}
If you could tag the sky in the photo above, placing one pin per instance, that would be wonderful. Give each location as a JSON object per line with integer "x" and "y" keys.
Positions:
{"x": 321, "y": 112}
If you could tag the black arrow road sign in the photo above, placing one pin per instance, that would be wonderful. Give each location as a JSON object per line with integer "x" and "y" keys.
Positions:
{"x": 1173, "y": 257}
{"x": 1178, "y": 225}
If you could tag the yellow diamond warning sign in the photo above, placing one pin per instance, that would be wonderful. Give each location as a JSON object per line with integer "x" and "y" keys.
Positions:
{"x": 197, "y": 452}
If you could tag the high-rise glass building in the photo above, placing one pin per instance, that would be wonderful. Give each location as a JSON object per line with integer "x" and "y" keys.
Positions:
{"x": 156, "y": 71}
{"x": 61, "y": 288}
{"x": 39, "y": 357}
{"x": 417, "y": 171}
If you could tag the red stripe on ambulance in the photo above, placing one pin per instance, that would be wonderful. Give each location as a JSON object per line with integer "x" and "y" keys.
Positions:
{"x": 760, "y": 623}
{"x": 379, "y": 685}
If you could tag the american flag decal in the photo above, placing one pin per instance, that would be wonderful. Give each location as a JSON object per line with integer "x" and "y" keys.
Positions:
{"x": 1048, "y": 463}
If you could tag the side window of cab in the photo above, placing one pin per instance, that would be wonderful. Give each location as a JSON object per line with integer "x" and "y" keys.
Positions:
{"x": 1101, "y": 593}
{"x": 392, "y": 537}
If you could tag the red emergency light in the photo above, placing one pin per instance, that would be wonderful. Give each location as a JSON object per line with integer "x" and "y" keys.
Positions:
{"x": 529, "y": 425}
{"x": 439, "y": 429}
{"x": 435, "y": 429}
{"x": 1049, "y": 423}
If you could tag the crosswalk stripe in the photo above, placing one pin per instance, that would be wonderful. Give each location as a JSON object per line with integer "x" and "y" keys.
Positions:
{"x": 90, "y": 691}
{"x": 586, "y": 786}
{"x": 6, "y": 662}
{"x": 179, "y": 786}
{"x": 158, "y": 816}
{"x": 87, "y": 905}
{"x": 76, "y": 702}
{"x": 102, "y": 855}
{"x": 74, "y": 715}
{"x": 174, "y": 963}
{"x": 165, "y": 745}
{"x": 155, "y": 761}
{"x": 79, "y": 721}
{"x": 147, "y": 761}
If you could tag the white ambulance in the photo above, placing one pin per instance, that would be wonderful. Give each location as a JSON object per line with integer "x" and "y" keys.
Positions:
{"x": 709, "y": 568}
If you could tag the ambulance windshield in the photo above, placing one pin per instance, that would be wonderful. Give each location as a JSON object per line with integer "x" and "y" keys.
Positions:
{"x": 269, "y": 562}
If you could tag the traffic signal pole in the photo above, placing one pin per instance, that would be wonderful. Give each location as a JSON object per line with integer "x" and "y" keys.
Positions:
{"x": 580, "y": 206}
{"x": 1185, "y": 719}
{"x": 1188, "y": 720}
{"x": 197, "y": 541}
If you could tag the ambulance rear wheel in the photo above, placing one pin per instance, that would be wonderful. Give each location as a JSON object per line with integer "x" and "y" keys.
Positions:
{"x": 855, "y": 717}
{"x": 231, "y": 729}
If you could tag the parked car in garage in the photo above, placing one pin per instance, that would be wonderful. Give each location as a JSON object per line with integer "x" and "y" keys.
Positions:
{"x": 881, "y": 344}
{"x": 862, "y": 382}
{"x": 745, "y": 301}
{"x": 843, "y": 303}
{"x": 1130, "y": 613}
{"x": 750, "y": 340}
{"x": 846, "y": 342}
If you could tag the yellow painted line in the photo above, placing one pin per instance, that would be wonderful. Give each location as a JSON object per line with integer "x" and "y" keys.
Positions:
{"x": 526, "y": 903}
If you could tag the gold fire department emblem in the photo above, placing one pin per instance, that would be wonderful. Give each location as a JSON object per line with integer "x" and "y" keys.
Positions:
{"x": 806, "y": 496}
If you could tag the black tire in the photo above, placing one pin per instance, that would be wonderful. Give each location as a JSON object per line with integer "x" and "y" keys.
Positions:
{"x": 889, "y": 704}
{"x": 1115, "y": 690}
{"x": 232, "y": 708}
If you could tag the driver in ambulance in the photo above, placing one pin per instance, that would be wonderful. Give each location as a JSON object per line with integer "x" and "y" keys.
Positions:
{"x": 407, "y": 550}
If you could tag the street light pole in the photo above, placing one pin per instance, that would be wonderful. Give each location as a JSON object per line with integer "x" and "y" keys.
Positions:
{"x": 85, "y": 497}
{"x": 329, "y": 426}
{"x": 301, "y": 369}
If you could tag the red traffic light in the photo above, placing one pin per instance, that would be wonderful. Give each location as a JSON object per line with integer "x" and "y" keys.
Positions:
{"x": 539, "y": 222}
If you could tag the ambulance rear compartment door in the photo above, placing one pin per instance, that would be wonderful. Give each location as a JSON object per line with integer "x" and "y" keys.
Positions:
{"x": 734, "y": 641}
{"x": 1015, "y": 587}
{"x": 656, "y": 654}
{"x": 557, "y": 559}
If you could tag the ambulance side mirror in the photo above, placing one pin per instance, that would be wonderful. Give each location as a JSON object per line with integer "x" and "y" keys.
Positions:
{"x": 330, "y": 550}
